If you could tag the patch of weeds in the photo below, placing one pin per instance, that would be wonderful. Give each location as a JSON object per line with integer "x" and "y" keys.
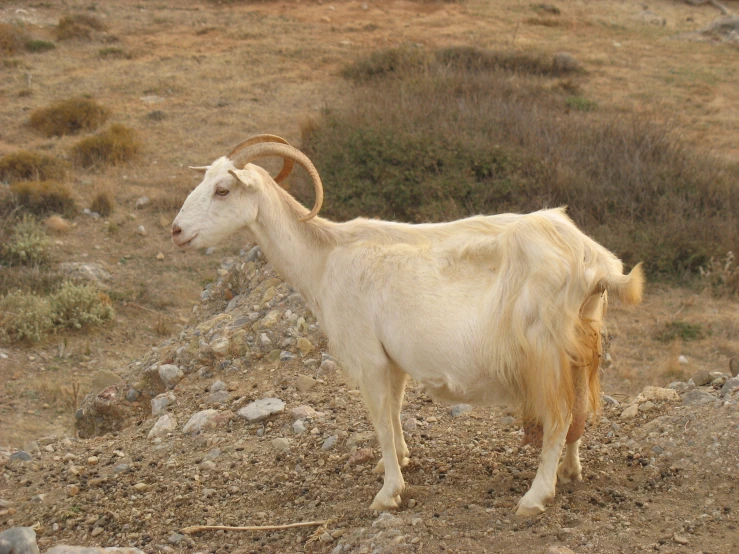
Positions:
{"x": 25, "y": 317}
{"x": 28, "y": 245}
{"x": 103, "y": 203}
{"x": 580, "y": 104}
{"x": 721, "y": 275}
{"x": 44, "y": 197}
{"x": 78, "y": 26}
{"x": 550, "y": 9}
{"x": 156, "y": 115}
{"x": 12, "y": 39}
{"x": 385, "y": 62}
{"x": 114, "y": 146}
{"x": 30, "y": 166}
{"x": 69, "y": 117}
{"x": 682, "y": 330}
{"x": 77, "y": 306}
{"x": 37, "y": 46}
{"x": 113, "y": 52}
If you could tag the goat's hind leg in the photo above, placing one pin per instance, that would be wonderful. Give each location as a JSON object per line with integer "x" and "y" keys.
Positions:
{"x": 376, "y": 386}
{"x": 398, "y": 379}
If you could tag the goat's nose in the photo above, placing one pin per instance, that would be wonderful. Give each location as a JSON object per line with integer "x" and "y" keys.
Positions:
{"x": 176, "y": 230}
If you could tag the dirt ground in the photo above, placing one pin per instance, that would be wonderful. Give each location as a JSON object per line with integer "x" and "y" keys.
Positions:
{"x": 215, "y": 73}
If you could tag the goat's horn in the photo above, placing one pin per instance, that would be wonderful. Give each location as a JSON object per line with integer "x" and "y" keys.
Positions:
{"x": 236, "y": 154}
{"x": 288, "y": 152}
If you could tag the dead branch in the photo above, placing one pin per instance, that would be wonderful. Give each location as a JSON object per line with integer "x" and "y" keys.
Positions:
{"x": 200, "y": 528}
{"x": 140, "y": 307}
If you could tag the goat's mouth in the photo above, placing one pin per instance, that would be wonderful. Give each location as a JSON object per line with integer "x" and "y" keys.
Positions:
{"x": 184, "y": 243}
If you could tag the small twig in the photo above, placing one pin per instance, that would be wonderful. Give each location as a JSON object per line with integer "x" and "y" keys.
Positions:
{"x": 515, "y": 32}
{"x": 200, "y": 528}
{"x": 177, "y": 319}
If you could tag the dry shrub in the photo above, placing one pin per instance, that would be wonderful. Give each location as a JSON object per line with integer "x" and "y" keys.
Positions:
{"x": 77, "y": 306}
{"x": 44, "y": 197}
{"x": 721, "y": 275}
{"x": 167, "y": 202}
{"x": 103, "y": 203}
{"x": 12, "y": 39}
{"x": 78, "y": 26}
{"x": 57, "y": 224}
{"x": 465, "y": 134}
{"x": 30, "y": 166}
{"x": 114, "y": 146}
{"x": 24, "y": 317}
{"x": 69, "y": 117}
{"x": 28, "y": 244}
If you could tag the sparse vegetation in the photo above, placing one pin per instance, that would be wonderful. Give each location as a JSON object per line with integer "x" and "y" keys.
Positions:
{"x": 28, "y": 245}
{"x": 44, "y": 197}
{"x": 581, "y": 104}
{"x": 103, "y": 203}
{"x": 455, "y": 134}
{"x": 30, "y": 166}
{"x": 680, "y": 330}
{"x": 30, "y": 316}
{"x": 78, "y": 26}
{"x": 113, "y": 52}
{"x": 69, "y": 117}
{"x": 114, "y": 146}
{"x": 36, "y": 45}
{"x": 721, "y": 275}
{"x": 12, "y": 39}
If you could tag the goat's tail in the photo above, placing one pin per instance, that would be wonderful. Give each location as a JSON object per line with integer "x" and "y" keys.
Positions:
{"x": 627, "y": 288}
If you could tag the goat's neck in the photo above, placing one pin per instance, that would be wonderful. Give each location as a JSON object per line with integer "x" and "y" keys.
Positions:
{"x": 298, "y": 255}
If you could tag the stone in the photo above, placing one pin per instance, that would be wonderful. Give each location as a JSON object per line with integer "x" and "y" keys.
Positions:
{"x": 170, "y": 375}
{"x": 327, "y": 366}
{"x": 697, "y": 397}
{"x": 682, "y": 359}
{"x": 730, "y": 386}
{"x": 270, "y": 319}
{"x": 164, "y": 425}
{"x": 220, "y": 347}
{"x": 305, "y": 383}
{"x": 565, "y": 62}
{"x": 558, "y": 550}
{"x": 702, "y": 378}
{"x": 286, "y": 356}
{"x": 281, "y": 444}
{"x": 630, "y": 412}
{"x": 160, "y": 403}
{"x": 141, "y": 231}
{"x": 299, "y": 427}
{"x": 218, "y": 398}
{"x": 160, "y": 256}
{"x": 361, "y": 456}
{"x": 142, "y": 202}
{"x": 610, "y": 401}
{"x": 265, "y": 340}
{"x": 132, "y": 395}
{"x": 218, "y": 386}
{"x": 657, "y": 394}
{"x": 253, "y": 254}
{"x": 21, "y": 455}
{"x": 647, "y": 406}
{"x": 141, "y": 487}
{"x": 460, "y": 409}
{"x": 410, "y": 424}
{"x": 17, "y": 540}
{"x": 305, "y": 346}
{"x": 86, "y": 271}
{"x": 330, "y": 442}
{"x": 679, "y": 540}
{"x": 305, "y": 412}
{"x": 261, "y": 409}
{"x": 97, "y": 531}
{"x": 734, "y": 366}
{"x": 387, "y": 521}
{"x": 206, "y": 420}
{"x": 175, "y": 538}
{"x": 72, "y": 490}
{"x": 63, "y": 549}
{"x": 273, "y": 356}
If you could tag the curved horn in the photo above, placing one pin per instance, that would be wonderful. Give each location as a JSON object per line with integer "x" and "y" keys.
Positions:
{"x": 287, "y": 152}
{"x": 235, "y": 157}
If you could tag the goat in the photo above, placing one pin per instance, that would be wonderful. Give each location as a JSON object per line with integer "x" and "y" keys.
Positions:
{"x": 490, "y": 309}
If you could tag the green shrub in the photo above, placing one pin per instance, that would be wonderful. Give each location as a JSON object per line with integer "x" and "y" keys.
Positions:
{"x": 30, "y": 166}
{"x": 25, "y": 317}
{"x": 117, "y": 145}
{"x": 77, "y": 306}
{"x": 78, "y": 26}
{"x": 29, "y": 244}
{"x": 460, "y": 135}
{"x": 682, "y": 330}
{"x": 44, "y": 197}
{"x": 581, "y": 104}
{"x": 113, "y": 52}
{"x": 35, "y": 45}
{"x": 69, "y": 117}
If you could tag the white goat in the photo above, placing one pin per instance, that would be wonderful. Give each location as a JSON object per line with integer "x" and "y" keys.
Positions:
{"x": 498, "y": 309}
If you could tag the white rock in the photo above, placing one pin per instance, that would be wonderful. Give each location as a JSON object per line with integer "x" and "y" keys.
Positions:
{"x": 631, "y": 411}
{"x": 165, "y": 424}
{"x": 682, "y": 359}
{"x": 170, "y": 375}
{"x": 261, "y": 409}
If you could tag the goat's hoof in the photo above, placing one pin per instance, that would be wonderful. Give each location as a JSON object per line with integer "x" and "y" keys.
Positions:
{"x": 569, "y": 474}
{"x": 526, "y": 509}
{"x": 384, "y": 503}
{"x": 379, "y": 468}
{"x": 404, "y": 461}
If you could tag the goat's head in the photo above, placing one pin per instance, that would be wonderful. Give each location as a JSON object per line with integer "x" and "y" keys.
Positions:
{"x": 226, "y": 199}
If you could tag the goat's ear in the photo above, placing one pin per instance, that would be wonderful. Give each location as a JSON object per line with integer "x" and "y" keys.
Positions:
{"x": 244, "y": 177}
{"x": 200, "y": 168}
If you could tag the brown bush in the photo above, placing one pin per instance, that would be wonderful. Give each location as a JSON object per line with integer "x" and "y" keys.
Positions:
{"x": 57, "y": 224}
{"x": 12, "y": 39}
{"x": 459, "y": 136}
{"x": 78, "y": 26}
{"x": 103, "y": 203}
{"x": 69, "y": 117}
{"x": 25, "y": 165}
{"x": 44, "y": 197}
{"x": 114, "y": 146}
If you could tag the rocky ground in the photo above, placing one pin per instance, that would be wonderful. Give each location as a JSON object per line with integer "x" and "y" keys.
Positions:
{"x": 245, "y": 419}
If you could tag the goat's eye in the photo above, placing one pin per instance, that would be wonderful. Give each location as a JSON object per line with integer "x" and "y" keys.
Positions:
{"x": 221, "y": 192}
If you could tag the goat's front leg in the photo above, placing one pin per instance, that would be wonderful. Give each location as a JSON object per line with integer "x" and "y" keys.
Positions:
{"x": 545, "y": 482}
{"x": 398, "y": 379}
{"x": 376, "y": 387}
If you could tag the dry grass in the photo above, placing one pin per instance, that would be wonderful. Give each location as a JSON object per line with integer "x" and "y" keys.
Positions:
{"x": 465, "y": 133}
{"x": 30, "y": 166}
{"x": 115, "y": 146}
{"x": 27, "y": 245}
{"x": 69, "y": 117}
{"x": 44, "y": 197}
{"x": 78, "y": 26}
{"x": 57, "y": 224}
{"x": 103, "y": 203}
{"x": 12, "y": 39}
{"x": 721, "y": 275}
